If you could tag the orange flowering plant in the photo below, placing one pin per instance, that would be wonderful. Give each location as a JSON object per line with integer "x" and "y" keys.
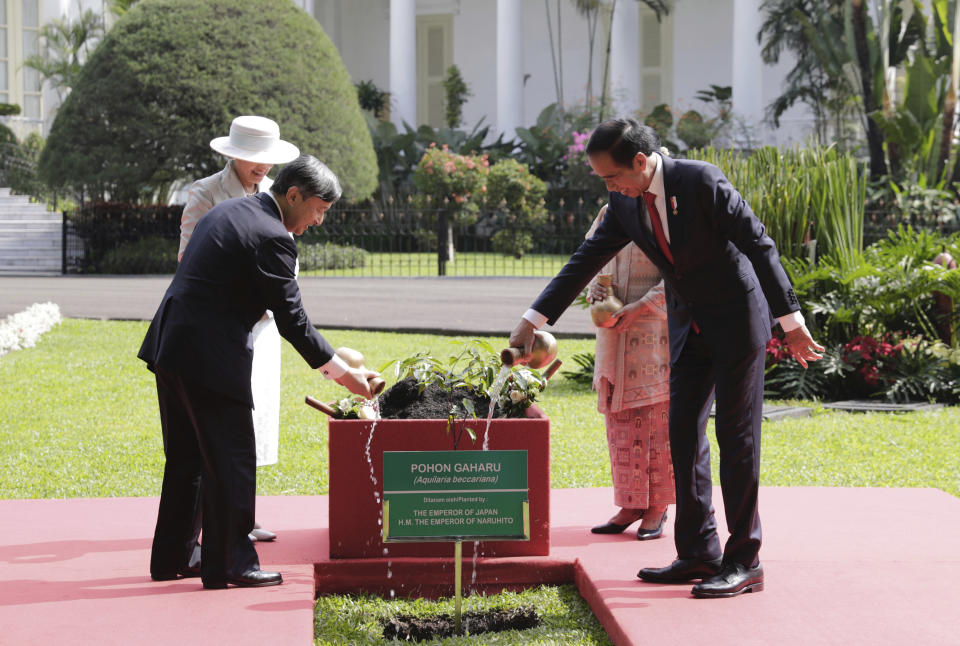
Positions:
{"x": 457, "y": 181}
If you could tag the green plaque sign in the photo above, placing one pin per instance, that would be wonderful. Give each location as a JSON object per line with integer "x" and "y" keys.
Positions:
{"x": 455, "y": 495}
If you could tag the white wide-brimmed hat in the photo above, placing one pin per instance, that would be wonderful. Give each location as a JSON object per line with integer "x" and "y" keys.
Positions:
{"x": 257, "y": 140}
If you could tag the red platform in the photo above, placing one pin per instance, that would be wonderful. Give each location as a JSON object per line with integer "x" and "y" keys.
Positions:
{"x": 843, "y": 566}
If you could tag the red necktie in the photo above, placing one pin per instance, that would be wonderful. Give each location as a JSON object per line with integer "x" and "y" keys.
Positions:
{"x": 651, "y": 200}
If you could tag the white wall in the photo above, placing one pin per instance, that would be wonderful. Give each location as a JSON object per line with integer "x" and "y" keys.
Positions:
{"x": 475, "y": 53}
{"x": 540, "y": 90}
{"x": 360, "y": 29}
{"x": 702, "y": 52}
{"x": 796, "y": 124}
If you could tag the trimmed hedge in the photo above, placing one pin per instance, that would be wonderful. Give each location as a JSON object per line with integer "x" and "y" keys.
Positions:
{"x": 172, "y": 74}
{"x": 326, "y": 255}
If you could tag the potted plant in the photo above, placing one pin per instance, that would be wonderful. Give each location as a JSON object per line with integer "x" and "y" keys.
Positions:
{"x": 456, "y": 394}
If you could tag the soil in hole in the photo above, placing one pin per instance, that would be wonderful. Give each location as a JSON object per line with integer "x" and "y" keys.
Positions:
{"x": 418, "y": 628}
{"x": 403, "y": 401}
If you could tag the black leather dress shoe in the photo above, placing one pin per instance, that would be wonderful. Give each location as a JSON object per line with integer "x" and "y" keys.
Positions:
{"x": 186, "y": 573}
{"x": 732, "y": 580}
{"x": 191, "y": 571}
{"x": 680, "y": 571}
{"x": 614, "y": 528}
{"x": 249, "y": 579}
{"x": 650, "y": 534}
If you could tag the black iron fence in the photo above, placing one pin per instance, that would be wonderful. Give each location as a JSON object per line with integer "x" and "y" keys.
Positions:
{"x": 367, "y": 241}
{"x": 353, "y": 241}
{"x": 119, "y": 238}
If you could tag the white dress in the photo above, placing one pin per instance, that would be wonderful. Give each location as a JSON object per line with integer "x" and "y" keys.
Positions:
{"x": 265, "y": 383}
{"x": 265, "y": 378}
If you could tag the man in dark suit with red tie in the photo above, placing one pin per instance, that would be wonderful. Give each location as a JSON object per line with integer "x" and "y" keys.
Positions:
{"x": 240, "y": 262}
{"x": 724, "y": 288}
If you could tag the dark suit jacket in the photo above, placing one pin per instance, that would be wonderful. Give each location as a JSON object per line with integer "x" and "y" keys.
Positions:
{"x": 239, "y": 263}
{"x": 726, "y": 274}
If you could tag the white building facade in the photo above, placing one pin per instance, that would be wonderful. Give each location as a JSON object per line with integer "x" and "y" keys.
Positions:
{"x": 20, "y": 24}
{"x": 515, "y": 59}
{"x": 503, "y": 50}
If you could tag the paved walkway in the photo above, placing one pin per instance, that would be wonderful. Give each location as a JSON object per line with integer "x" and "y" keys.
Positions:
{"x": 440, "y": 305}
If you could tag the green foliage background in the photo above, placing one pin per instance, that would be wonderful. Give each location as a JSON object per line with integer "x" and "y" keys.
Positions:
{"x": 172, "y": 74}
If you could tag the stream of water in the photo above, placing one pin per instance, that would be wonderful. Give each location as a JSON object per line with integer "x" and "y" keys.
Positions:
{"x": 494, "y": 399}
{"x": 375, "y": 404}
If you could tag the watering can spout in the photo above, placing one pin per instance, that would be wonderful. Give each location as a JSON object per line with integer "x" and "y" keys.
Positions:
{"x": 544, "y": 351}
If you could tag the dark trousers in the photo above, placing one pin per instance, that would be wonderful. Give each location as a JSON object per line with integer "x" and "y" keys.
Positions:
{"x": 695, "y": 378}
{"x": 208, "y": 438}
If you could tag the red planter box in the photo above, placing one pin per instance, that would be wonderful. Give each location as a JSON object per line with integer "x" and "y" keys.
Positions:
{"x": 355, "y": 512}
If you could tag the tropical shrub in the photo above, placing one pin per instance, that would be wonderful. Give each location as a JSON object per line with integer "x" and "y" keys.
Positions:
{"x": 515, "y": 199}
{"x": 698, "y": 130}
{"x": 693, "y": 130}
{"x": 890, "y": 368}
{"x": 800, "y": 195}
{"x": 171, "y": 75}
{"x": 583, "y": 373}
{"x": 887, "y": 288}
{"x": 399, "y": 152}
{"x": 578, "y": 176}
{"x": 456, "y": 92}
{"x": 661, "y": 120}
{"x": 19, "y": 164}
{"x": 544, "y": 146}
{"x": 372, "y": 99}
{"x": 877, "y": 316}
{"x": 916, "y": 205}
{"x": 452, "y": 179}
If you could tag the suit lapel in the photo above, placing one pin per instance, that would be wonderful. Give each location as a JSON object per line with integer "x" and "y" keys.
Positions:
{"x": 672, "y": 186}
{"x": 631, "y": 210}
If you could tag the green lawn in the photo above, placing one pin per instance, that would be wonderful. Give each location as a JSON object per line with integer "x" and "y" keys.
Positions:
{"x": 78, "y": 417}
{"x": 565, "y": 618}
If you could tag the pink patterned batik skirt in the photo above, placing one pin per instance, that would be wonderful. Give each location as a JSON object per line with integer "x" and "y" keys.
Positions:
{"x": 639, "y": 442}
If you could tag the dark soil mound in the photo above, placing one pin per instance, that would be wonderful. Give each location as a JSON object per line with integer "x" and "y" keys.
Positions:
{"x": 402, "y": 401}
{"x": 417, "y": 628}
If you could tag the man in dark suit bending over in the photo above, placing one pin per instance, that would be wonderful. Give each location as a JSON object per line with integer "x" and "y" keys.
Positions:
{"x": 723, "y": 280}
{"x": 240, "y": 262}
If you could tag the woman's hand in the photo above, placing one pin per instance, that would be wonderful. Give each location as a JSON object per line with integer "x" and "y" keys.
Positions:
{"x": 596, "y": 292}
{"x": 626, "y": 315}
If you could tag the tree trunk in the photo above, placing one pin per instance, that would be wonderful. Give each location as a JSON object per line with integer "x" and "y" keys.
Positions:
{"x": 878, "y": 165}
{"x": 950, "y": 105}
{"x": 946, "y": 137}
{"x": 606, "y": 64}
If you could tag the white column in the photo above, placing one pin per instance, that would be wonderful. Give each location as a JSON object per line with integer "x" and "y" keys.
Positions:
{"x": 747, "y": 63}
{"x": 625, "y": 57}
{"x": 403, "y": 62}
{"x": 509, "y": 67}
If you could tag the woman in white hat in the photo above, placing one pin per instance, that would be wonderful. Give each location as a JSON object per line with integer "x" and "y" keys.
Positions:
{"x": 253, "y": 147}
